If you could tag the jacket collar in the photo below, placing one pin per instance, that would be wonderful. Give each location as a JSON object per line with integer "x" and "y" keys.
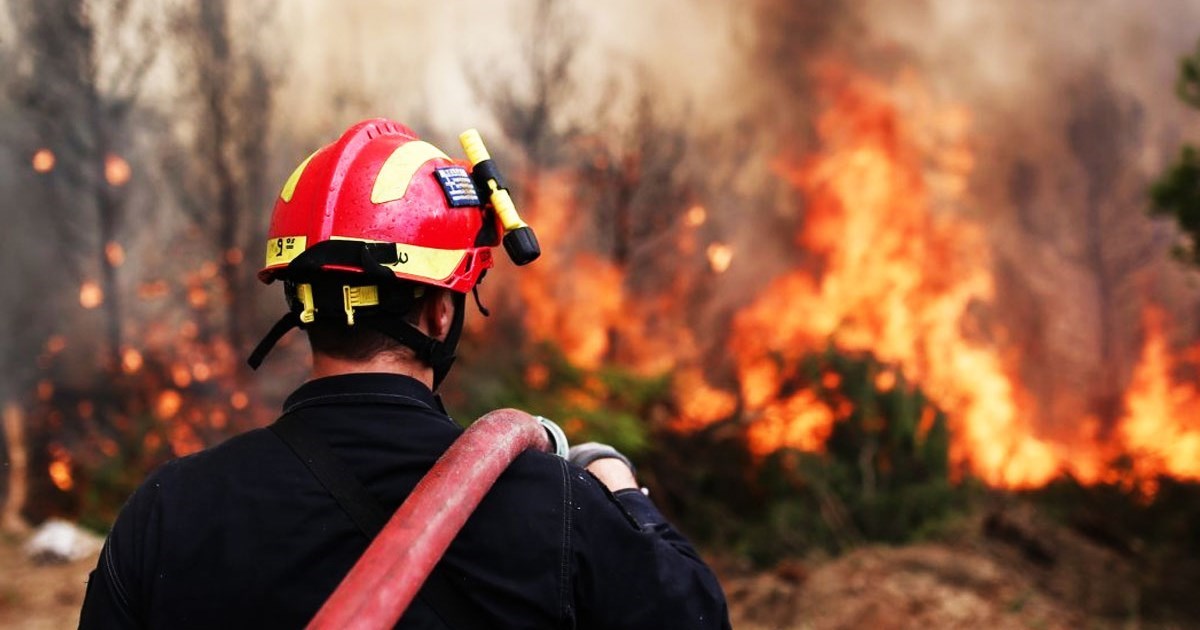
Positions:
{"x": 370, "y": 387}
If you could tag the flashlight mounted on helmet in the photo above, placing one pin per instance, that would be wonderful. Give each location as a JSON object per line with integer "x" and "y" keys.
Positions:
{"x": 519, "y": 240}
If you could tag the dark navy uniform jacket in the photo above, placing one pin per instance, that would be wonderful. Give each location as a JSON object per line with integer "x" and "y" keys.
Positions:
{"x": 243, "y": 536}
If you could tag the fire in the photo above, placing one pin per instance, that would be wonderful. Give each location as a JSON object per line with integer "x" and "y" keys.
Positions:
{"x": 90, "y": 295}
{"x": 183, "y": 439}
{"x": 131, "y": 360}
{"x": 168, "y": 404}
{"x": 537, "y": 376}
{"x": 60, "y": 468}
{"x": 579, "y": 315}
{"x": 896, "y": 280}
{"x": 719, "y": 257}
{"x": 202, "y": 372}
{"x": 899, "y": 273}
{"x": 885, "y": 380}
{"x": 197, "y": 297}
{"x": 114, "y": 253}
{"x": 695, "y": 216}
{"x": 116, "y": 170}
{"x": 56, "y": 344}
{"x": 43, "y": 160}
{"x": 1162, "y": 422}
{"x": 181, "y": 375}
{"x": 700, "y": 403}
{"x": 153, "y": 290}
{"x": 801, "y": 421}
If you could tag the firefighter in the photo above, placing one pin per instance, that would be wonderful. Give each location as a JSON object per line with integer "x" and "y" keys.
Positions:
{"x": 377, "y": 239}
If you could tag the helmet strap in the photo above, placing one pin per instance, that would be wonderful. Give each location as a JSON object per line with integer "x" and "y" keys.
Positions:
{"x": 384, "y": 318}
{"x": 439, "y": 355}
{"x": 290, "y": 320}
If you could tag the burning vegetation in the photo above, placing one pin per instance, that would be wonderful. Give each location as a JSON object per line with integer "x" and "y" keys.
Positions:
{"x": 809, "y": 340}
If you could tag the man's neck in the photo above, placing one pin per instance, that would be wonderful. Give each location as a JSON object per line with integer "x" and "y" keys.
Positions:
{"x": 325, "y": 365}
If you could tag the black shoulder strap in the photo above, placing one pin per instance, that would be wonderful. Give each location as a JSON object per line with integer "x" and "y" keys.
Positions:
{"x": 370, "y": 517}
{"x": 359, "y": 505}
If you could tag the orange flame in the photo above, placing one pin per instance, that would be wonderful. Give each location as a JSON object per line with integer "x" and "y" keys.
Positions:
{"x": 153, "y": 289}
{"x": 168, "y": 404}
{"x": 181, "y": 375}
{"x": 897, "y": 281}
{"x": 56, "y": 344}
{"x": 801, "y": 422}
{"x": 43, "y": 160}
{"x": 700, "y": 403}
{"x": 890, "y": 266}
{"x": 114, "y": 253}
{"x": 1162, "y": 422}
{"x": 131, "y": 360}
{"x": 90, "y": 295}
{"x": 116, "y": 170}
{"x": 579, "y": 315}
{"x": 60, "y": 468}
{"x": 719, "y": 257}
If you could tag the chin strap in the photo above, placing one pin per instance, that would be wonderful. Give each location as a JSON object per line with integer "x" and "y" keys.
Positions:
{"x": 289, "y": 321}
{"x": 439, "y": 355}
{"x": 384, "y": 303}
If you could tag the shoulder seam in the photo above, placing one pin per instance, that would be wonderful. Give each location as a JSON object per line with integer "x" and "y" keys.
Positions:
{"x": 564, "y": 577}
{"x": 114, "y": 578}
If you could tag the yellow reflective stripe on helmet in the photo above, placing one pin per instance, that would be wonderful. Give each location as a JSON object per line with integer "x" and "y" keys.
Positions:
{"x": 281, "y": 251}
{"x": 398, "y": 170}
{"x": 423, "y": 262}
{"x": 289, "y": 187}
{"x": 427, "y": 262}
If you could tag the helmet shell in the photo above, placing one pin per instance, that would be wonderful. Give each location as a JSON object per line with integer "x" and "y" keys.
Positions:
{"x": 380, "y": 183}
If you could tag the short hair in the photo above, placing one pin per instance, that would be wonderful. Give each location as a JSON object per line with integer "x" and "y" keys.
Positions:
{"x": 333, "y": 337}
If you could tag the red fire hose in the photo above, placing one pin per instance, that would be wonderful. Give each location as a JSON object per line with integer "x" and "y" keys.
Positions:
{"x": 380, "y": 586}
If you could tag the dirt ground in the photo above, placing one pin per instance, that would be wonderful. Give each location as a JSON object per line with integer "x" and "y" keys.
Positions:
{"x": 924, "y": 586}
{"x": 1019, "y": 574}
{"x": 37, "y": 596}
{"x": 1007, "y": 569}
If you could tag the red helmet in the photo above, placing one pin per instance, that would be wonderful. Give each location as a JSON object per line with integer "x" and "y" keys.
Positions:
{"x": 379, "y": 183}
{"x": 380, "y": 205}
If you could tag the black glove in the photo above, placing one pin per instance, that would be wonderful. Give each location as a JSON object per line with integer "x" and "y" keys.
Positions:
{"x": 583, "y": 454}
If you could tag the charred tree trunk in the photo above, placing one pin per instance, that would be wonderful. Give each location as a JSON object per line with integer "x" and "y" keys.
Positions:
{"x": 232, "y": 86}
{"x": 214, "y": 20}
{"x": 108, "y": 214}
{"x": 78, "y": 98}
{"x": 11, "y": 520}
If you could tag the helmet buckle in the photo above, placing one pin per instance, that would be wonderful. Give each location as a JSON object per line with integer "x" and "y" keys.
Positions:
{"x": 358, "y": 296}
{"x": 305, "y": 293}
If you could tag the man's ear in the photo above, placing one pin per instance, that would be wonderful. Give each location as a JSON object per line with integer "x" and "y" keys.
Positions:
{"x": 439, "y": 314}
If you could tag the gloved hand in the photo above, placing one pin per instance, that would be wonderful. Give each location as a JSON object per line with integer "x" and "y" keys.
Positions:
{"x": 583, "y": 454}
{"x": 606, "y": 463}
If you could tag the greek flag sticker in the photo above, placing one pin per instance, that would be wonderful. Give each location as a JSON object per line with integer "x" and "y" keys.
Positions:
{"x": 459, "y": 189}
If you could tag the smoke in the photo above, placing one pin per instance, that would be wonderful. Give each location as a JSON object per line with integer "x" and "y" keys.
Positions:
{"x": 1049, "y": 90}
{"x": 1074, "y": 114}
{"x": 1070, "y": 115}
